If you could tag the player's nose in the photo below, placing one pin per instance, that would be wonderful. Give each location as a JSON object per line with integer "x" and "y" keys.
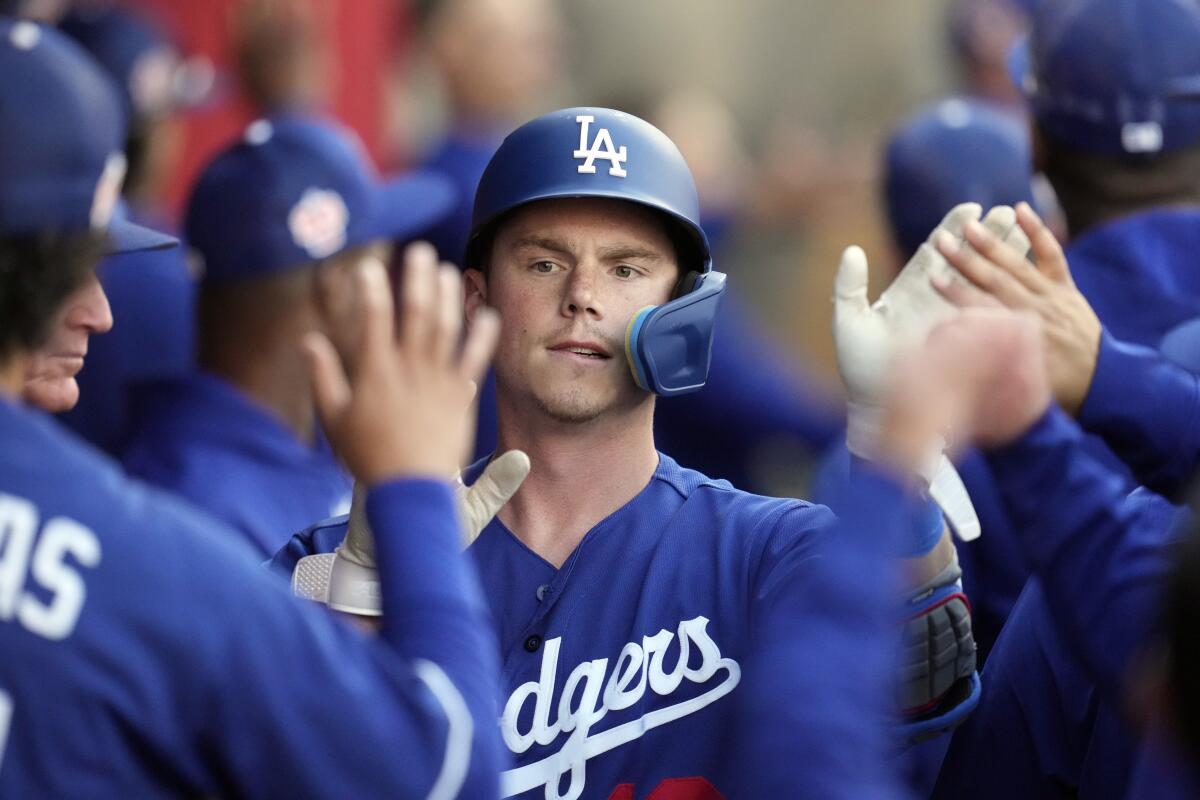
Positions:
{"x": 90, "y": 309}
{"x": 579, "y": 296}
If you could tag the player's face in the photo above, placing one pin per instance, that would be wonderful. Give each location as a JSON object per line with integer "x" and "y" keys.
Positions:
{"x": 50, "y": 377}
{"x": 566, "y": 277}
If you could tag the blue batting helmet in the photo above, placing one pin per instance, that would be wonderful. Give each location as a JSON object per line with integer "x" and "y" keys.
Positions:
{"x": 602, "y": 153}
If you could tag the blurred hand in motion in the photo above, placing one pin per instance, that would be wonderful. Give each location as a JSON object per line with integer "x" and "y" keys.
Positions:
{"x": 979, "y": 378}
{"x": 400, "y": 408}
{"x": 1000, "y": 275}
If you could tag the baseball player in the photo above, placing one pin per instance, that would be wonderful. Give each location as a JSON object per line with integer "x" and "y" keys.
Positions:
{"x": 141, "y": 645}
{"x": 628, "y": 591}
{"x": 275, "y": 217}
{"x": 1102, "y": 555}
{"x": 1117, "y": 136}
{"x": 153, "y": 294}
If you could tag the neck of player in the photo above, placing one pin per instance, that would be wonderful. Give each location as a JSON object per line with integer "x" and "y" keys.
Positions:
{"x": 581, "y": 472}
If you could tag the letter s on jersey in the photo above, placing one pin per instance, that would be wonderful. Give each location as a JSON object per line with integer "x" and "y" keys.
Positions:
{"x": 60, "y": 538}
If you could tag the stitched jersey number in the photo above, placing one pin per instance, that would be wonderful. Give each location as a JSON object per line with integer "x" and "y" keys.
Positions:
{"x": 672, "y": 789}
{"x": 6, "y": 713}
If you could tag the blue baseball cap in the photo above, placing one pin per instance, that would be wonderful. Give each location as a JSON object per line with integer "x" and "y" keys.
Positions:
{"x": 61, "y": 139}
{"x": 298, "y": 189}
{"x": 148, "y": 69}
{"x": 1113, "y": 77}
{"x": 956, "y": 151}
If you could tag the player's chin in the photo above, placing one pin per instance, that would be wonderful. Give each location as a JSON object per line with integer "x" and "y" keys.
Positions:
{"x": 53, "y": 395}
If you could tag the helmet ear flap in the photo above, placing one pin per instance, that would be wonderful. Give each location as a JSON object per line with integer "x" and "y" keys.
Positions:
{"x": 687, "y": 282}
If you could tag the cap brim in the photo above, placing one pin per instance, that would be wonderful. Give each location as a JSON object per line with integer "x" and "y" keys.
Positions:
{"x": 310, "y": 577}
{"x": 128, "y": 237}
{"x": 409, "y": 206}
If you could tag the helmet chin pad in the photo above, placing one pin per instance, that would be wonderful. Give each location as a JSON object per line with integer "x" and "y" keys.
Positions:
{"x": 669, "y": 347}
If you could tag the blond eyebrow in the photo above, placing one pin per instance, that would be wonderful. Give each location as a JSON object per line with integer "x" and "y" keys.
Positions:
{"x": 543, "y": 243}
{"x": 626, "y": 252}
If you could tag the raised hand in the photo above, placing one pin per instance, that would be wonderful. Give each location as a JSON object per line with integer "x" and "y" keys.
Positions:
{"x": 999, "y": 275}
{"x": 400, "y": 408}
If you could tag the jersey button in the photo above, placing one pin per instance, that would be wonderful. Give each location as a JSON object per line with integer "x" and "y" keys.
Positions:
{"x": 533, "y": 643}
{"x": 541, "y": 591}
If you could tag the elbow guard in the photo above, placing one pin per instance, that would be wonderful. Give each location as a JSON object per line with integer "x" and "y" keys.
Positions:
{"x": 938, "y": 684}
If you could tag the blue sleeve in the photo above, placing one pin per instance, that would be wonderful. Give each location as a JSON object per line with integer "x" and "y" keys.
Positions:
{"x": 1102, "y": 554}
{"x": 1042, "y": 728}
{"x": 302, "y": 704}
{"x": 824, "y": 624}
{"x": 1148, "y": 411}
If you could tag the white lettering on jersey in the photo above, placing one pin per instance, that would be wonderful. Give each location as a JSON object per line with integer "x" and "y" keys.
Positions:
{"x": 601, "y": 147}
{"x": 61, "y": 537}
{"x": 587, "y": 697}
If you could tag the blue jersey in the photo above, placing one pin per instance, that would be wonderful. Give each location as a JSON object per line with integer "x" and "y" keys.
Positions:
{"x": 204, "y": 440}
{"x": 1054, "y": 682}
{"x": 1147, "y": 410}
{"x": 1138, "y": 272}
{"x": 145, "y": 655}
{"x": 698, "y": 640}
{"x": 152, "y": 295}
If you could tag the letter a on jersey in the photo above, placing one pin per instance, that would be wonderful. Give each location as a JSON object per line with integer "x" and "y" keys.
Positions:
{"x": 601, "y": 147}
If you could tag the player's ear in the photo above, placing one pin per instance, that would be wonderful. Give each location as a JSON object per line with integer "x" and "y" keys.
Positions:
{"x": 475, "y": 289}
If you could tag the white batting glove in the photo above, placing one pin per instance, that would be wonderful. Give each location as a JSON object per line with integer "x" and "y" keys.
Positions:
{"x": 477, "y": 504}
{"x": 482, "y": 500}
{"x": 867, "y": 336}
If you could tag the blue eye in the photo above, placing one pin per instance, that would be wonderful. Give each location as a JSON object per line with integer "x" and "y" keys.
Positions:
{"x": 543, "y": 267}
{"x": 624, "y": 272}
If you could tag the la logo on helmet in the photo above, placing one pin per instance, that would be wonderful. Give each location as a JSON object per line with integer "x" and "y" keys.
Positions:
{"x": 601, "y": 147}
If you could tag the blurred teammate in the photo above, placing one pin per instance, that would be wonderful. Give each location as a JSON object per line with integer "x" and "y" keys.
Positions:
{"x": 141, "y": 647}
{"x": 289, "y": 209}
{"x": 152, "y": 294}
{"x": 1117, "y": 135}
{"x": 629, "y": 591}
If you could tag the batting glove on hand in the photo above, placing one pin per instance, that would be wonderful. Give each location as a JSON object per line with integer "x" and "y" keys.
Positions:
{"x": 478, "y": 504}
{"x": 867, "y": 337}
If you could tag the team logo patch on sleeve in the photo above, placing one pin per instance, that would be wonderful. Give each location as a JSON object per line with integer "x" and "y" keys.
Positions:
{"x": 601, "y": 147}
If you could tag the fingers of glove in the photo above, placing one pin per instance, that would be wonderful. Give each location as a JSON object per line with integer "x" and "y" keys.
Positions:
{"x": 417, "y": 298}
{"x": 955, "y": 219}
{"x": 982, "y": 272}
{"x": 498, "y": 483}
{"x": 359, "y": 544}
{"x": 1017, "y": 241}
{"x": 999, "y": 220}
{"x": 331, "y": 390}
{"x": 1000, "y": 254}
{"x": 850, "y": 285}
{"x": 1047, "y": 252}
{"x": 963, "y": 294}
